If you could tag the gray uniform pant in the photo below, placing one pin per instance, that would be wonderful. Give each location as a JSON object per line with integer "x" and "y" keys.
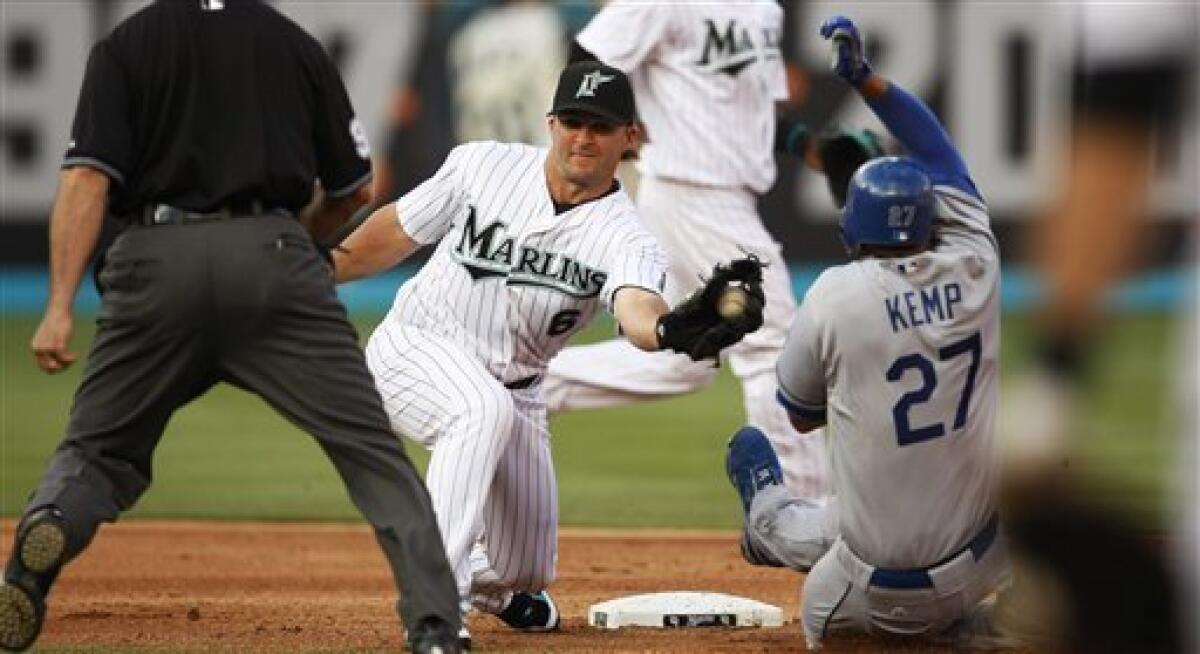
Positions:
{"x": 247, "y": 301}
{"x": 840, "y": 594}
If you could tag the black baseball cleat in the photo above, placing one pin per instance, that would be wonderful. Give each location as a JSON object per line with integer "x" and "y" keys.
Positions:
{"x": 531, "y": 612}
{"x": 435, "y": 636}
{"x": 38, "y": 554}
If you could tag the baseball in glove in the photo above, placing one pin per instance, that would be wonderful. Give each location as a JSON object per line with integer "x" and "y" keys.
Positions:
{"x": 721, "y": 313}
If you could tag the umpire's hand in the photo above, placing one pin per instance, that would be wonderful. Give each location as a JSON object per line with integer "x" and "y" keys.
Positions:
{"x": 51, "y": 341}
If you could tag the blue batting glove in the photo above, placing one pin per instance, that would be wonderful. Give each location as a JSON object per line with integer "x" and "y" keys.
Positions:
{"x": 849, "y": 58}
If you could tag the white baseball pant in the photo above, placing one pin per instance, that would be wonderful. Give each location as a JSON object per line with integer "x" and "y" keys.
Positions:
{"x": 490, "y": 477}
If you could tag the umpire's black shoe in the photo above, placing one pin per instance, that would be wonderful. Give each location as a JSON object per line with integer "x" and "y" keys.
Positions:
{"x": 531, "y": 612}
{"x": 434, "y": 636}
{"x": 38, "y": 554}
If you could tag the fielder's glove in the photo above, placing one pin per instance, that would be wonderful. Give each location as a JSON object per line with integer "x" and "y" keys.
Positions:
{"x": 849, "y": 57}
{"x": 696, "y": 328}
{"x": 842, "y": 151}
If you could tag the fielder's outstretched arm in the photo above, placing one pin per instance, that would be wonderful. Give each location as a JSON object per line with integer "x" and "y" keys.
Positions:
{"x": 637, "y": 311}
{"x": 377, "y": 245}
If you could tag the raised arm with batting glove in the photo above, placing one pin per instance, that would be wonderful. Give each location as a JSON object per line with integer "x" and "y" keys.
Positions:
{"x": 905, "y": 116}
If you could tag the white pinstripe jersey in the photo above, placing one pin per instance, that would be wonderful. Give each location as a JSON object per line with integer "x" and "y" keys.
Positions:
{"x": 706, "y": 78}
{"x": 510, "y": 280}
{"x": 901, "y": 356}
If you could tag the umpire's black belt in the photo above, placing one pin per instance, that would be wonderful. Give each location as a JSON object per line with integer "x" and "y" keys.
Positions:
{"x": 164, "y": 214}
{"x": 919, "y": 577}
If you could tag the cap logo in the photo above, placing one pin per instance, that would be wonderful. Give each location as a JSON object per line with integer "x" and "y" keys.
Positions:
{"x": 591, "y": 81}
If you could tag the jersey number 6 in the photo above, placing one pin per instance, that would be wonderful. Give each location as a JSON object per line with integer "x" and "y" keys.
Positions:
{"x": 562, "y": 322}
{"x": 906, "y": 434}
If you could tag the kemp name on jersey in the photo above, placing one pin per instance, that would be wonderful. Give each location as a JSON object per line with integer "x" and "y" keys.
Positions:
{"x": 729, "y": 49}
{"x": 489, "y": 253}
{"x": 922, "y": 306}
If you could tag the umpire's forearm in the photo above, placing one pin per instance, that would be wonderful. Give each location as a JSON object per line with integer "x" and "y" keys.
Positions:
{"x": 74, "y": 228}
{"x": 377, "y": 245}
{"x": 325, "y": 215}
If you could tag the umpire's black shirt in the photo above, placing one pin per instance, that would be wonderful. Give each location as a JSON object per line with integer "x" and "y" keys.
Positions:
{"x": 204, "y": 104}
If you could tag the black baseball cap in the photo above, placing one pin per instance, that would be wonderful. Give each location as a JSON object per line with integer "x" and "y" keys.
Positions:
{"x": 594, "y": 88}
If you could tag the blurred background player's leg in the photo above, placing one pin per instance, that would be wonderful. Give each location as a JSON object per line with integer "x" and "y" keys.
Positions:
{"x": 722, "y": 224}
{"x": 1131, "y": 66}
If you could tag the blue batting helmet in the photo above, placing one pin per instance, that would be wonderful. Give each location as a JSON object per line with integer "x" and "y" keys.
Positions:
{"x": 890, "y": 204}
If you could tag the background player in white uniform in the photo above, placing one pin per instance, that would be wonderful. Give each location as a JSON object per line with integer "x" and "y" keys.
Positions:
{"x": 707, "y": 77}
{"x": 530, "y": 244}
{"x": 897, "y": 352}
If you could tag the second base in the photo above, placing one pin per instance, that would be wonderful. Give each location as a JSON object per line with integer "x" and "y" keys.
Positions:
{"x": 684, "y": 609}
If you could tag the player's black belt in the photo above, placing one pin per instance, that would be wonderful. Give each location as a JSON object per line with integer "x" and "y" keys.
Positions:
{"x": 523, "y": 383}
{"x": 165, "y": 214}
{"x": 919, "y": 577}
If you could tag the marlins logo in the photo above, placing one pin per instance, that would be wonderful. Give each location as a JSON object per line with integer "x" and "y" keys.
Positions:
{"x": 489, "y": 252}
{"x": 591, "y": 81}
{"x": 731, "y": 50}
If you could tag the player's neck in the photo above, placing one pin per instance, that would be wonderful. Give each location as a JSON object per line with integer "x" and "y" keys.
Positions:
{"x": 566, "y": 192}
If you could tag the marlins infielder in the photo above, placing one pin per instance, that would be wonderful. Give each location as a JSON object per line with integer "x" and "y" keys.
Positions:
{"x": 707, "y": 76}
{"x": 530, "y": 243}
{"x": 897, "y": 352}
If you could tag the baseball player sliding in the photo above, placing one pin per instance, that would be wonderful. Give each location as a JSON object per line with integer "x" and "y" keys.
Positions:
{"x": 530, "y": 243}
{"x": 897, "y": 353}
{"x": 708, "y": 77}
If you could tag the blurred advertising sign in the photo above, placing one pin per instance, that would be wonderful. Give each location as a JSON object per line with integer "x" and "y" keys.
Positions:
{"x": 999, "y": 71}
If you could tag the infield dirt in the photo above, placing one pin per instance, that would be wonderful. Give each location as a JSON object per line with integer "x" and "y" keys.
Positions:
{"x": 221, "y": 586}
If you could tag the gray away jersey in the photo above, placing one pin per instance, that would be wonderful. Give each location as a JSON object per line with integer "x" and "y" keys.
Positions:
{"x": 511, "y": 281}
{"x": 901, "y": 356}
{"x": 725, "y": 60}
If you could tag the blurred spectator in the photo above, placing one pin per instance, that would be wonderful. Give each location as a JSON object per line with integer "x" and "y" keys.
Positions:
{"x": 421, "y": 108}
{"x": 503, "y": 65}
{"x": 485, "y": 70}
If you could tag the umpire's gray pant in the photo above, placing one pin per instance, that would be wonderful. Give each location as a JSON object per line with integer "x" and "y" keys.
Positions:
{"x": 250, "y": 302}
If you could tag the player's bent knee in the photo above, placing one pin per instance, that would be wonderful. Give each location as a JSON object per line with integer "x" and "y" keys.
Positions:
{"x": 492, "y": 413}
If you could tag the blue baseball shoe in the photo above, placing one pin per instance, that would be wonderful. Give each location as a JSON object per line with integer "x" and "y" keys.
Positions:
{"x": 751, "y": 464}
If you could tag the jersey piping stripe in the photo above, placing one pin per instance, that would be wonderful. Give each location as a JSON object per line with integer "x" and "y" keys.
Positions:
{"x": 799, "y": 409}
{"x": 92, "y": 162}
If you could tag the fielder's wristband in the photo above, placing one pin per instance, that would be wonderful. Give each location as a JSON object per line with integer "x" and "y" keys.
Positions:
{"x": 660, "y": 331}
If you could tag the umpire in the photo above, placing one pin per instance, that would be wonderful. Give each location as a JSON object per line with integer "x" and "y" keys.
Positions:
{"x": 204, "y": 123}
